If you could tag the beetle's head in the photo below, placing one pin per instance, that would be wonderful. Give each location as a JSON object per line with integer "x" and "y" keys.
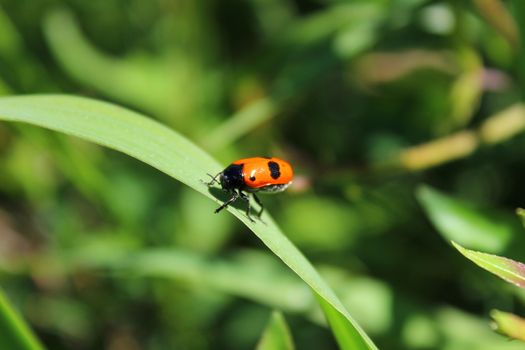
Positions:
{"x": 231, "y": 178}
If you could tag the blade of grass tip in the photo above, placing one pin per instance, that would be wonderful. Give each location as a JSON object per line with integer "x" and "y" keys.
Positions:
{"x": 508, "y": 324}
{"x": 166, "y": 150}
{"x": 14, "y": 332}
{"x": 505, "y": 268}
{"x": 276, "y": 336}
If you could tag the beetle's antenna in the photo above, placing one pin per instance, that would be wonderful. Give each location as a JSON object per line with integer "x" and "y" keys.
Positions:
{"x": 213, "y": 179}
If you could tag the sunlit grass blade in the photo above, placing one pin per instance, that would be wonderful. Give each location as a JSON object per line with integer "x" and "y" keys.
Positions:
{"x": 508, "y": 324}
{"x": 466, "y": 91}
{"x": 276, "y": 336}
{"x": 505, "y": 268}
{"x": 169, "y": 152}
{"x": 458, "y": 220}
{"x": 14, "y": 333}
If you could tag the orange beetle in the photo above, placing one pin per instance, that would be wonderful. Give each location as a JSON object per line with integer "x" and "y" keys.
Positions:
{"x": 257, "y": 174}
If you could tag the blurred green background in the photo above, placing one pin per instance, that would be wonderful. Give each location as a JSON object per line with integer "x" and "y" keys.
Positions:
{"x": 369, "y": 100}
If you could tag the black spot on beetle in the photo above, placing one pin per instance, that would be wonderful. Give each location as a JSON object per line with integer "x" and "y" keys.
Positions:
{"x": 275, "y": 170}
{"x": 252, "y": 178}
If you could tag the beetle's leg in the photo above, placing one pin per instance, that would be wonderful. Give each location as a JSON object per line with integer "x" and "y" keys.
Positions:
{"x": 213, "y": 179}
{"x": 260, "y": 204}
{"x": 228, "y": 202}
{"x": 246, "y": 198}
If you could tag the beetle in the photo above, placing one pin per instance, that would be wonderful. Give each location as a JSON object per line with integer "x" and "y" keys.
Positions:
{"x": 250, "y": 175}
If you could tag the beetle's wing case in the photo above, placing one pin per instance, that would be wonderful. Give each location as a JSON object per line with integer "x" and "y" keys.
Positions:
{"x": 264, "y": 172}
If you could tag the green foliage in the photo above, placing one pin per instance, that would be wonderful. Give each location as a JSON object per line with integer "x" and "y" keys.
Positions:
{"x": 15, "y": 334}
{"x": 521, "y": 214}
{"x": 368, "y": 100}
{"x": 347, "y": 338}
{"x": 519, "y": 14}
{"x": 276, "y": 336}
{"x": 509, "y": 324}
{"x": 511, "y": 271}
{"x": 167, "y": 151}
{"x": 508, "y": 269}
{"x": 460, "y": 221}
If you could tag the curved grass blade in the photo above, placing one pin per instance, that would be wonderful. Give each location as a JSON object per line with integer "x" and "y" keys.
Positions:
{"x": 14, "y": 333}
{"x": 276, "y": 336}
{"x": 122, "y": 79}
{"x": 505, "y": 268}
{"x": 142, "y": 138}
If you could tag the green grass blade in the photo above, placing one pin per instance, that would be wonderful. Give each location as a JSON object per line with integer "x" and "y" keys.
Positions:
{"x": 347, "y": 338}
{"x": 14, "y": 333}
{"x": 169, "y": 152}
{"x": 510, "y": 270}
{"x": 276, "y": 336}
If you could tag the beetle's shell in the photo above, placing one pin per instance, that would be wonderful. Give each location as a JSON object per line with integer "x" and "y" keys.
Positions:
{"x": 267, "y": 174}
